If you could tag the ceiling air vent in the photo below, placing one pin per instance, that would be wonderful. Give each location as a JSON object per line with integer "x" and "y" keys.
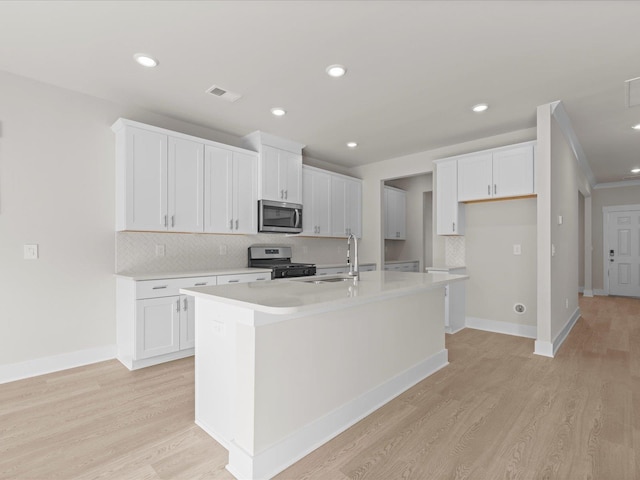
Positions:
{"x": 632, "y": 91}
{"x": 222, "y": 93}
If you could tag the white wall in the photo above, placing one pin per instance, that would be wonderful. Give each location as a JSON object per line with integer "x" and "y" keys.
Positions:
{"x": 57, "y": 189}
{"x": 498, "y": 278}
{"x": 558, "y": 181}
{"x": 607, "y": 197}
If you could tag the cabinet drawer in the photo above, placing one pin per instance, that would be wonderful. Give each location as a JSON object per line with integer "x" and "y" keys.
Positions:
{"x": 169, "y": 286}
{"x": 244, "y": 278}
{"x": 332, "y": 270}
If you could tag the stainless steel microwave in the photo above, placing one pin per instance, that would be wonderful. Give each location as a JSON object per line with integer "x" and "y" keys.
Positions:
{"x": 281, "y": 217}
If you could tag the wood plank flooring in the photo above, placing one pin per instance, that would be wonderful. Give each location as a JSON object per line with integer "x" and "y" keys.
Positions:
{"x": 496, "y": 412}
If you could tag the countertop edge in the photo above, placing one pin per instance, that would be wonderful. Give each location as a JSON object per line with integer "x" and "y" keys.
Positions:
{"x": 340, "y": 302}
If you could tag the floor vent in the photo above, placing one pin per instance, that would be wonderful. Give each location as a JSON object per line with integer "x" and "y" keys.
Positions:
{"x": 632, "y": 91}
{"x": 222, "y": 93}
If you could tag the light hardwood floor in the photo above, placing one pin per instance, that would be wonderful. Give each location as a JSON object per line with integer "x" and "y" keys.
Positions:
{"x": 496, "y": 412}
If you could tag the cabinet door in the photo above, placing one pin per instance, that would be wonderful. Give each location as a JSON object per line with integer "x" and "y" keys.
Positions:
{"x": 309, "y": 226}
{"x": 354, "y": 207}
{"x": 157, "y": 326}
{"x": 338, "y": 207}
{"x": 449, "y": 216}
{"x": 270, "y": 173}
{"x": 146, "y": 180}
{"x": 187, "y": 322}
{"x": 395, "y": 214}
{"x": 291, "y": 176}
{"x": 513, "y": 172}
{"x": 475, "y": 177}
{"x": 218, "y": 167}
{"x": 185, "y": 185}
{"x": 321, "y": 202}
{"x": 245, "y": 200}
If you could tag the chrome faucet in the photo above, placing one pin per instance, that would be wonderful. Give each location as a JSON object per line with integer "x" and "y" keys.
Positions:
{"x": 354, "y": 269}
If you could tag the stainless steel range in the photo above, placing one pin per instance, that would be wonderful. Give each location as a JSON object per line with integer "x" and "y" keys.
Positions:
{"x": 278, "y": 259}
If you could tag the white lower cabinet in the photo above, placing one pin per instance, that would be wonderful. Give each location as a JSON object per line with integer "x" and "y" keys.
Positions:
{"x": 154, "y": 322}
{"x": 157, "y": 326}
{"x": 455, "y": 304}
{"x": 411, "y": 266}
{"x": 243, "y": 278}
{"x": 365, "y": 267}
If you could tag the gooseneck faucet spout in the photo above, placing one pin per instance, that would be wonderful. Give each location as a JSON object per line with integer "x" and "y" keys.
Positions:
{"x": 354, "y": 269}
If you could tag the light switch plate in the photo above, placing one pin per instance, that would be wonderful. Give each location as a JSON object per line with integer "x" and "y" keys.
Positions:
{"x": 31, "y": 252}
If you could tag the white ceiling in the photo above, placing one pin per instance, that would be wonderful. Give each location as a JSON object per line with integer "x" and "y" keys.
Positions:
{"x": 414, "y": 68}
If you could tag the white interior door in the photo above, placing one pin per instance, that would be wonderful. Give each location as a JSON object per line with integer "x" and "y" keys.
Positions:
{"x": 623, "y": 252}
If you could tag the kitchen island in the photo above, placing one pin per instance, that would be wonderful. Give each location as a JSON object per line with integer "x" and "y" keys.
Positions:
{"x": 284, "y": 366}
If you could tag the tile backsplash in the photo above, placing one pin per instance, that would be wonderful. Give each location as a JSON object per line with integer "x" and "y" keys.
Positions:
{"x": 454, "y": 251}
{"x": 183, "y": 252}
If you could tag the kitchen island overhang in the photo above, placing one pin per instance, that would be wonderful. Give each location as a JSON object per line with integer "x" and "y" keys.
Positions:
{"x": 284, "y": 366}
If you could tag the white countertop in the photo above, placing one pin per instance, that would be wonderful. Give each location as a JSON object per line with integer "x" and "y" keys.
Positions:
{"x": 202, "y": 273}
{"x": 289, "y": 296}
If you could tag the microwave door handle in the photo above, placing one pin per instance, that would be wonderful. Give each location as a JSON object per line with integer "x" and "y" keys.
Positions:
{"x": 297, "y": 218}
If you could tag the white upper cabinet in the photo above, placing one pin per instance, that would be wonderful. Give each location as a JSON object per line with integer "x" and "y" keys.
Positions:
{"x": 449, "y": 213}
{"x": 317, "y": 202}
{"x": 185, "y": 183}
{"x": 395, "y": 213}
{"x": 502, "y": 173}
{"x": 141, "y": 180}
{"x": 346, "y": 206}
{"x": 279, "y": 167}
{"x": 160, "y": 182}
{"x": 475, "y": 177}
{"x": 230, "y": 191}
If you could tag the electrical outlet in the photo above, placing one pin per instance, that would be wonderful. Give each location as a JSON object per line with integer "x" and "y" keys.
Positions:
{"x": 517, "y": 249}
{"x": 560, "y": 220}
{"x": 566, "y": 303}
{"x": 31, "y": 252}
{"x": 160, "y": 250}
{"x": 305, "y": 249}
{"x": 222, "y": 249}
{"x": 553, "y": 250}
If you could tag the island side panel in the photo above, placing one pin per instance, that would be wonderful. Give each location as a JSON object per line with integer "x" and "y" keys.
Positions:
{"x": 309, "y": 368}
{"x": 215, "y": 368}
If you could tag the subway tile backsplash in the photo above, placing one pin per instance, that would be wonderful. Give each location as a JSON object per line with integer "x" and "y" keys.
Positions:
{"x": 183, "y": 252}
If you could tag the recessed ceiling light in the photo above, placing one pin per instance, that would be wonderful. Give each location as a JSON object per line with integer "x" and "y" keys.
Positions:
{"x": 146, "y": 60}
{"x": 636, "y": 127}
{"x": 352, "y": 144}
{"x": 278, "y": 112}
{"x": 635, "y": 170}
{"x": 480, "y": 107}
{"x": 336, "y": 70}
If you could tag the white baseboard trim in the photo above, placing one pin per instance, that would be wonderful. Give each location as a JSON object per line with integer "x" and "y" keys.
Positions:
{"x": 543, "y": 348}
{"x": 527, "y": 331}
{"x": 600, "y": 291}
{"x": 587, "y": 293}
{"x": 549, "y": 349}
{"x": 55, "y": 363}
{"x": 580, "y": 289}
{"x": 271, "y": 461}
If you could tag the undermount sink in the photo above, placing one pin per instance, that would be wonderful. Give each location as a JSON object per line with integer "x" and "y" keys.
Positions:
{"x": 326, "y": 280}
